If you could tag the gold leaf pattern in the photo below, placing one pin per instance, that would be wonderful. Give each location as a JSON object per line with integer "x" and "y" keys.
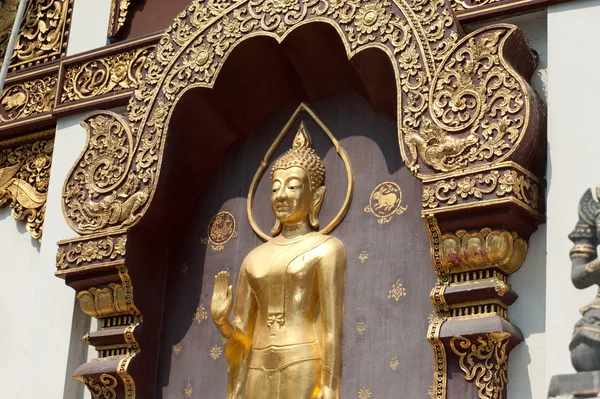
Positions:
{"x": 394, "y": 363}
{"x": 24, "y": 179}
{"x": 363, "y": 256}
{"x": 397, "y": 291}
{"x": 177, "y": 349}
{"x": 201, "y": 314}
{"x": 364, "y": 393}
{"x": 216, "y": 352}
{"x": 361, "y": 328}
{"x": 43, "y": 33}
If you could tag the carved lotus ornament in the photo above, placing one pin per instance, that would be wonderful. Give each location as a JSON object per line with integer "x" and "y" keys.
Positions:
{"x": 103, "y": 302}
{"x": 487, "y": 248}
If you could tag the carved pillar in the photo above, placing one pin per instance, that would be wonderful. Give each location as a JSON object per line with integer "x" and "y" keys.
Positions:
{"x": 96, "y": 267}
{"x": 470, "y": 329}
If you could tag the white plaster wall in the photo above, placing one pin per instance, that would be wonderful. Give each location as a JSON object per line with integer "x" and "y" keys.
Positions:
{"x": 40, "y": 327}
{"x": 574, "y": 140}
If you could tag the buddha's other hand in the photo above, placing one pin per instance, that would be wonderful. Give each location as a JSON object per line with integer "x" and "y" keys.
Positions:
{"x": 222, "y": 299}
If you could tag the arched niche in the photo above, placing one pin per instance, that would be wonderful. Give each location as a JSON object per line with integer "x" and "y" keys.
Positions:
{"x": 464, "y": 116}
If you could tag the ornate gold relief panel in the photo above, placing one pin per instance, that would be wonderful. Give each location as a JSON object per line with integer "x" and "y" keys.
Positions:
{"x": 29, "y": 98}
{"x": 104, "y": 75}
{"x": 391, "y": 302}
{"x": 24, "y": 176}
{"x": 44, "y": 33}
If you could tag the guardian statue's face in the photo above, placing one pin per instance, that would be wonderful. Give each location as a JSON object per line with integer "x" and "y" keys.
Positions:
{"x": 291, "y": 198}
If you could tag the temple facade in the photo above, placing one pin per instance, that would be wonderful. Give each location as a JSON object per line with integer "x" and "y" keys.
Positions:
{"x": 297, "y": 198}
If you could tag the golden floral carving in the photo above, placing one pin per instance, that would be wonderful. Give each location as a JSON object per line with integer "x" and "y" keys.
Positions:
{"x": 104, "y": 75}
{"x": 485, "y": 362}
{"x": 94, "y": 250}
{"x": 104, "y": 388}
{"x": 482, "y": 249}
{"x": 43, "y": 34}
{"x": 29, "y": 98}
{"x": 483, "y": 186}
{"x": 371, "y": 17}
{"x": 24, "y": 178}
{"x": 501, "y": 287}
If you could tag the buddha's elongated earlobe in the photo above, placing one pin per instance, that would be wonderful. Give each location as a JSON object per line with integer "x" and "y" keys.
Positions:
{"x": 313, "y": 215}
{"x": 277, "y": 228}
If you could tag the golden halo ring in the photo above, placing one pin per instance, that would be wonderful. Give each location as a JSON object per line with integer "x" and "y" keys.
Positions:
{"x": 265, "y": 164}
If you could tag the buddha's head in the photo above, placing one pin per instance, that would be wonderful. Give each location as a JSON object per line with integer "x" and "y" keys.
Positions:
{"x": 297, "y": 188}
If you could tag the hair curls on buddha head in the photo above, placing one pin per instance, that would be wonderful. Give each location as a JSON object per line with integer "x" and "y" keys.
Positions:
{"x": 304, "y": 156}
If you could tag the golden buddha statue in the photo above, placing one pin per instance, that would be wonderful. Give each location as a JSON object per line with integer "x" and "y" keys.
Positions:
{"x": 285, "y": 339}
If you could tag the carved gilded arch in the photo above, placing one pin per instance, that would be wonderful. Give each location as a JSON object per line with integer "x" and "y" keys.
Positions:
{"x": 469, "y": 127}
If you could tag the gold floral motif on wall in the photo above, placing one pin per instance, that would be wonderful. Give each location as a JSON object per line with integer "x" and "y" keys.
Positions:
{"x": 43, "y": 34}
{"x": 24, "y": 178}
{"x": 104, "y": 75}
{"x": 28, "y": 98}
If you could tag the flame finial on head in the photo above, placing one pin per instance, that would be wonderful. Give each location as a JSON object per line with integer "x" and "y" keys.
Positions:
{"x": 303, "y": 155}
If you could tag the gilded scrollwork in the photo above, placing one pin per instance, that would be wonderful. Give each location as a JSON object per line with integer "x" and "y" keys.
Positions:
{"x": 422, "y": 37}
{"x": 119, "y": 10}
{"x": 103, "y": 170}
{"x": 459, "y": 5}
{"x": 24, "y": 178}
{"x": 484, "y": 361}
{"x": 495, "y": 184}
{"x": 95, "y": 250}
{"x": 479, "y": 108}
{"x": 104, "y": 75}
{"x": 104, "y": 388}
{"x": 43, "y": 33}
{"x": 29, "y": 98}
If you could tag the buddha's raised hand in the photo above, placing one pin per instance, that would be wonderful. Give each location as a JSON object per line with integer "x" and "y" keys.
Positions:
{"x": 222, "y": 299}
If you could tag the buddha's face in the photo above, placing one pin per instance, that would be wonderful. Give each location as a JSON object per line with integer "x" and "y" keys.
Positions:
{"x": 291, "y": 198}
